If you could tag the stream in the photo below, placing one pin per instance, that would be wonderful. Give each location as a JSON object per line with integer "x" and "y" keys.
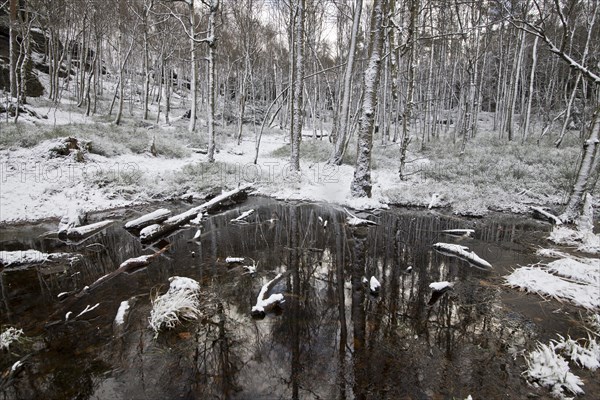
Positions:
{"x": 330, "y": 339}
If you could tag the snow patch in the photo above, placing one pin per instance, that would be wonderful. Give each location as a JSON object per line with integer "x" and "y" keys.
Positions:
{"x": 121, "y": 312}
{"x": 536, "y": 279}
{"x": 9, "y": 336}
{"x": 439, "y": 286}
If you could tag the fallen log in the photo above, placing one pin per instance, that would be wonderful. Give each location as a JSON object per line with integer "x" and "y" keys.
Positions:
{"x": 18, "y": 258}
{"x": 155, "y": 231}
{"x": 85, "y": 231}
{"x": 540, "y": 213}
{"x": 243, "y": 216}
{"x": 155, "y": 217}
{"x": 462, "y": 252}
{"x": 438, "y": 289}
{"x": 463, "y": 233}
{"x": 129, "y": 266}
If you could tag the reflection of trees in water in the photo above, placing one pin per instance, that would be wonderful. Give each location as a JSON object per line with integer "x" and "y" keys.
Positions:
{"x": 333, "y": 339}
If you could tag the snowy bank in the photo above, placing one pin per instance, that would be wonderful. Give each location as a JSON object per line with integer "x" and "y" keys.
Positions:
{"x": 564, "y": 279}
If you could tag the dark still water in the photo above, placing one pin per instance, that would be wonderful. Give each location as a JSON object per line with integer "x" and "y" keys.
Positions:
{"x": 330, "y": 339}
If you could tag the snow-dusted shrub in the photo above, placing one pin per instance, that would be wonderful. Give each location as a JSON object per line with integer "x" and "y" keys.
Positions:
{"x": 181, "y": 302}
{"x": 548, "y": 369}
{"x": 169, "y": 148}
{"x": 9, "y": 336}
{"x": 586, "y": 357}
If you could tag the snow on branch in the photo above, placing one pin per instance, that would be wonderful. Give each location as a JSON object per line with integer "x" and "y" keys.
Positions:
{"x": 264, "y": 304}
{"x": 181, "y": 302}
{"x": 462, "y": 252}
{"x": 540, "y": 212}
{"x": 18, "y": 258}
{"x": 243, "y": 216}
{"x": 154, "y": 217}
{"x": 85, "y": 231}
{"x": 155, "y": 231}
{"x": 462, "y": 233}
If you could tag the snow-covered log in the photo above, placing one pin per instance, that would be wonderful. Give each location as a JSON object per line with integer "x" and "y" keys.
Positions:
{"x": 353, "y": 220}
{"x": 263, "y": 303}
{"x": 234, "y": 260}
{"x": 462, "y": 252}
{"x": 155, "y": 217}
{"x": 155, "y": 231}
{"x": 464, "y": 233}
{"x": 19, "y": 258}
{"x": 438, "y": 289}
{"x": 540, "y": 213}
{"x": 129, "y": 266}
{"x": 85, "y": 231}
{"x": 181, "y": 302}
{"x": 243, "y": 216}
{"x": 441, "y": 286}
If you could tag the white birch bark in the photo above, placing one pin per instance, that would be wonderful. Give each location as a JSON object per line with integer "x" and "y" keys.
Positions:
{"x": 361, "y": 184}
{"x": 340, "y": 143}
{"x": 297, "y": 101}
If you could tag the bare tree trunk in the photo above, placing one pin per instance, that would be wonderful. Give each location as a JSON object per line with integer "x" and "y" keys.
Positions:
{"x": 410, "y": 89}
{"x": 212, "y": 45}
{"x": 12, "y": 52}
{"x": 515, "y": 87}
{"x": 361, "y": 183}
{"x": 563, "y": 128}
{"x": 147, "y": 9}
{"x": 122, "y": 75}
{"x": 193, "y": 67}
{"x": 297, "y": 101}
{"x": 342, "y": 132}
{"x": 531, "y": 85}
{"x": 589, "y": 161}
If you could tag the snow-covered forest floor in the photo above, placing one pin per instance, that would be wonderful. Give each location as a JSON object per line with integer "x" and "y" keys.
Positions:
{"x": 118, "y": 168}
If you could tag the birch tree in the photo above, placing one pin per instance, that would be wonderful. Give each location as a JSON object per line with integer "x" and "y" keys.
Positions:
{"x": 361, "y": 183}
{"x": 589, "y": 156}
{"x": 343, "y": 118}
{"x": 298, "y": 90}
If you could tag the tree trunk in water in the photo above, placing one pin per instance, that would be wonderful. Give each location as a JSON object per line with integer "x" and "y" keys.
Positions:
{"x": 297, "y": 101}
{"x": 359, "y": 320}
{"x": 361, "y": 183}
{"x": 342, "y": 132}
